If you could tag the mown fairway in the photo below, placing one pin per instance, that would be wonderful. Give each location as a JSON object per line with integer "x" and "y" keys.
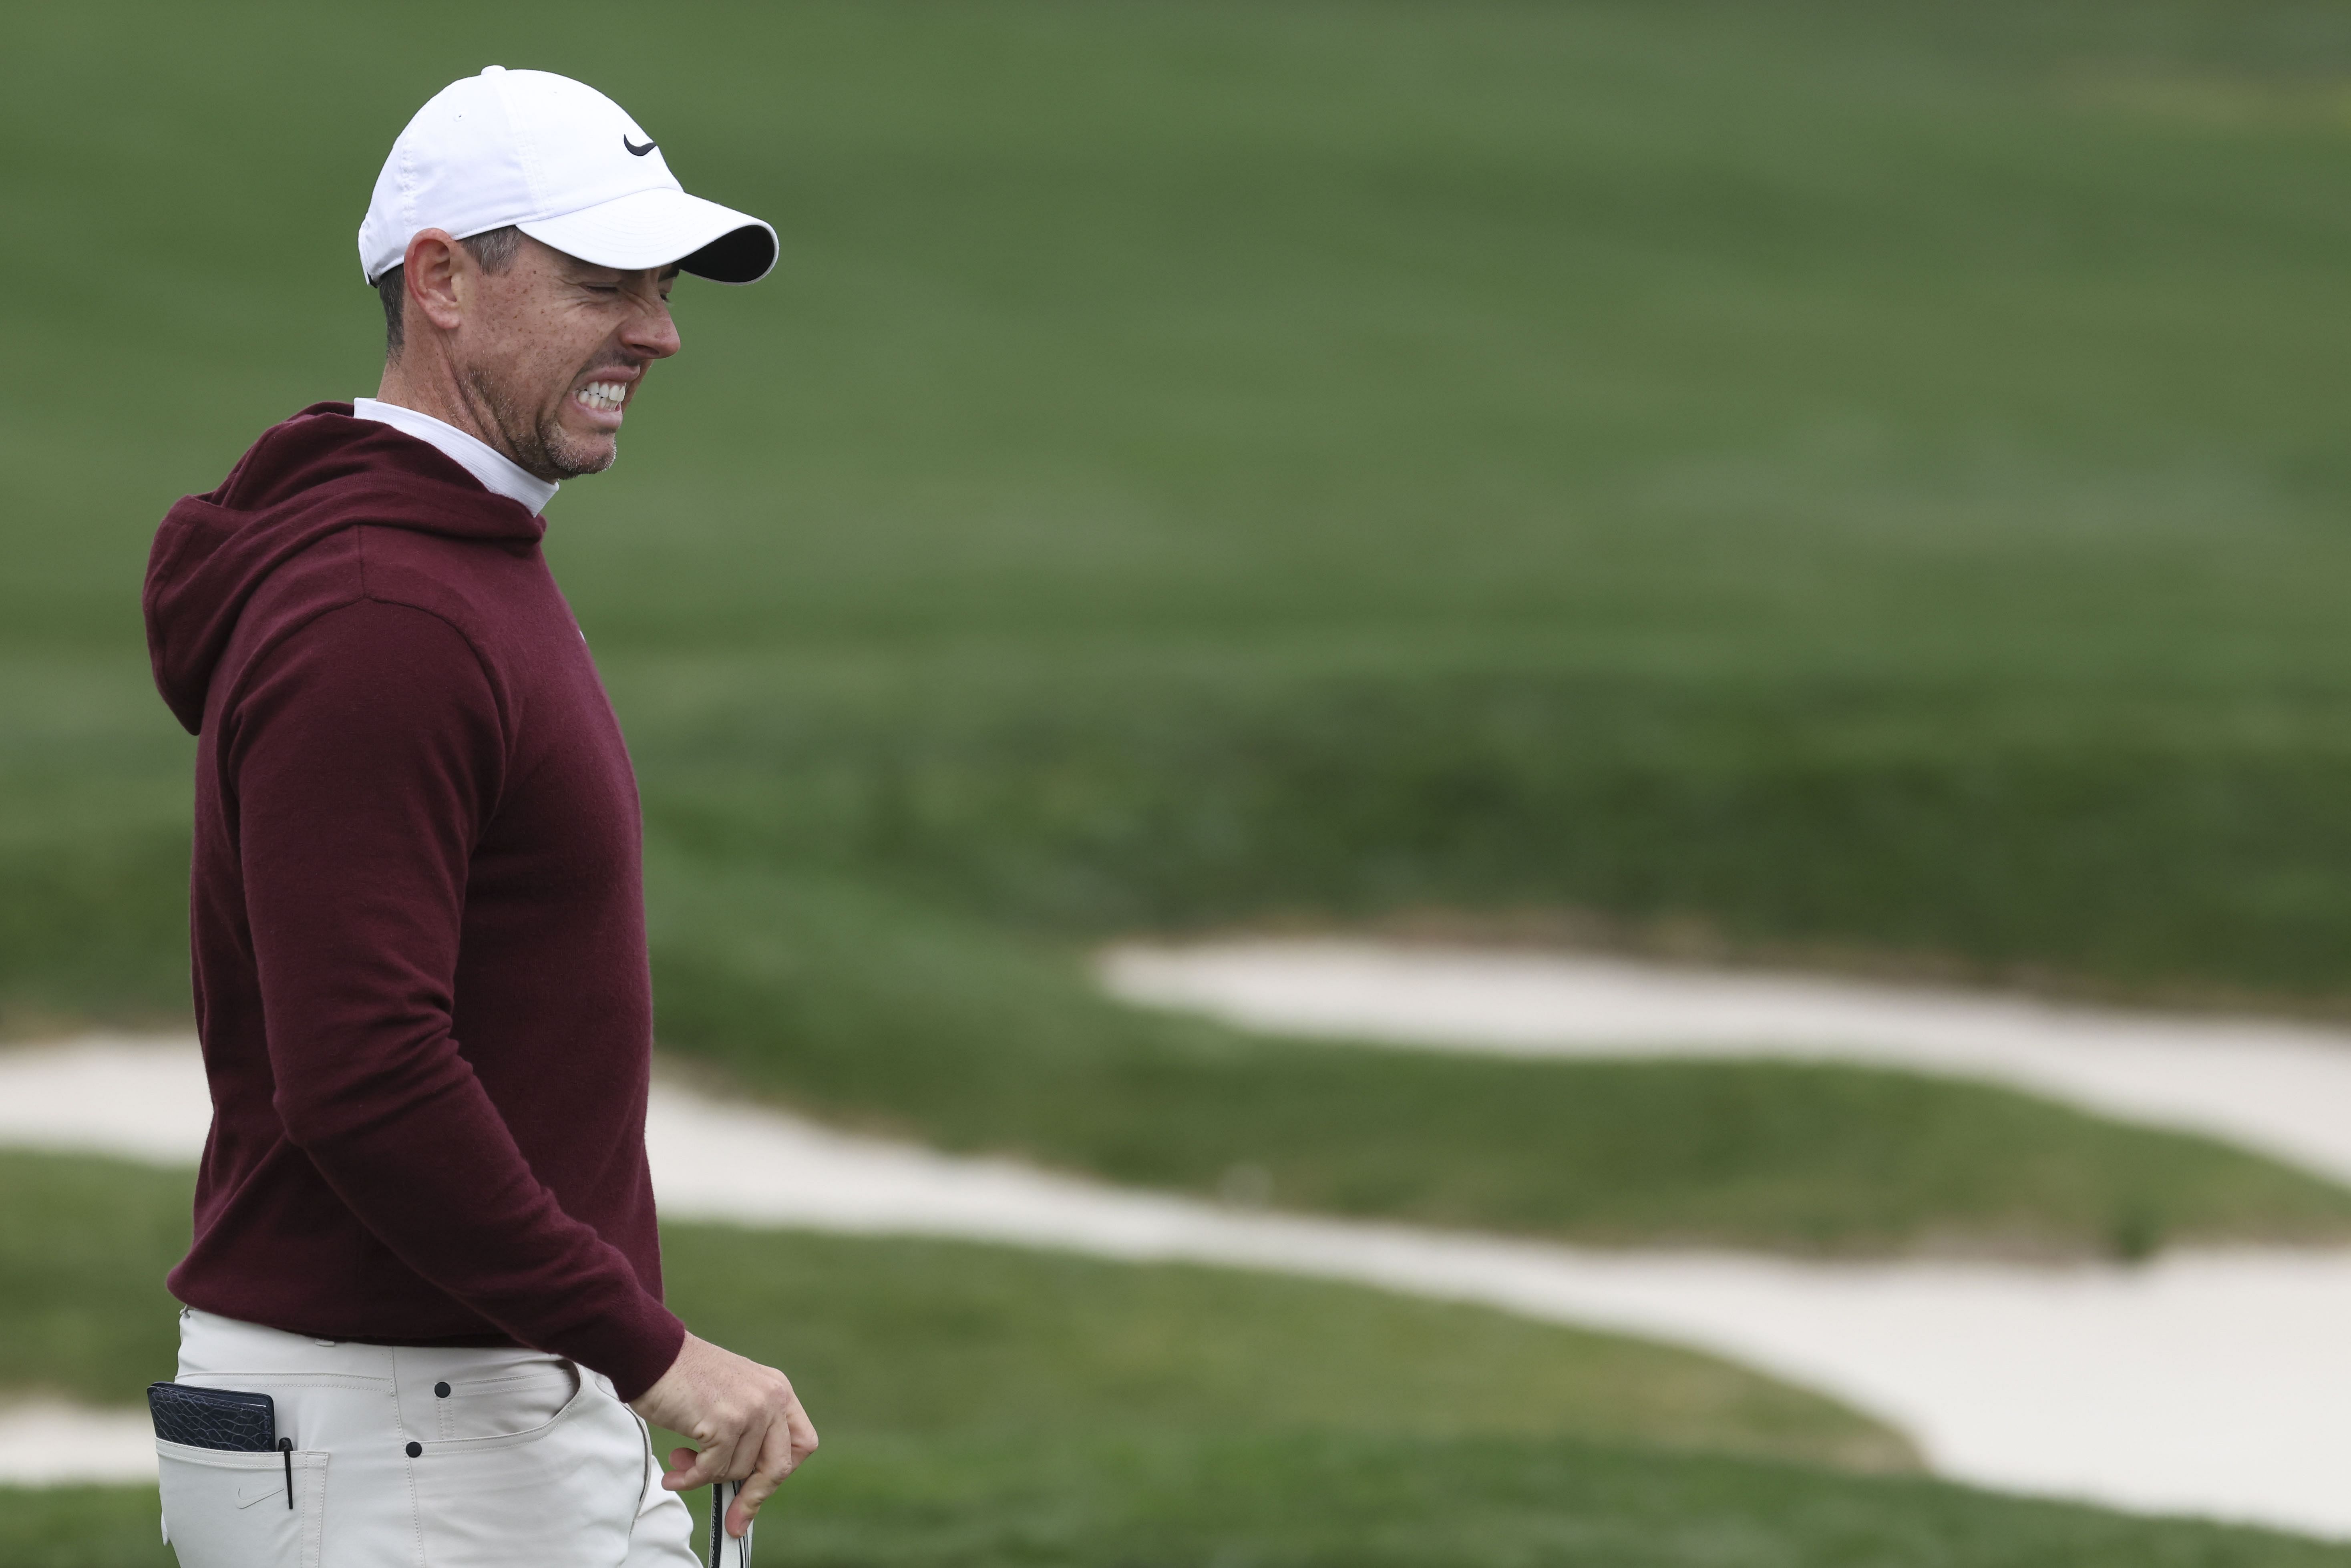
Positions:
{"x": 1812, "y": 478}
{"x": 1847, "y": 481}
{"x": 989, "y": 1406}
{"x": 1841, "y": 474}
{"x": 1324, "y": 1502}
{"x": 910, "y": 1338}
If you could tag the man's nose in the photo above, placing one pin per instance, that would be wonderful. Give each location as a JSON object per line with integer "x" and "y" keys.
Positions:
{"x": 652, "y": 331}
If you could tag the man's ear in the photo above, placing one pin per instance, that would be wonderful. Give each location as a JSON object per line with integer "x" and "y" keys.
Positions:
{"x": 434, "y": 272}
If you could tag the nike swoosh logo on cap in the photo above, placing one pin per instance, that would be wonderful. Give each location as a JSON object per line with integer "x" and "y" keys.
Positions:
{"x": 635, "y": 151}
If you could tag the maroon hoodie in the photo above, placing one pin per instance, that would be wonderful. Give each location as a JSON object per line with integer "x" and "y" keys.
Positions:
{"x": 418, "y": 921}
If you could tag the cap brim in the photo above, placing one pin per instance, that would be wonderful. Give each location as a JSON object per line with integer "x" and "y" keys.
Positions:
{"x": 663, "y": 228}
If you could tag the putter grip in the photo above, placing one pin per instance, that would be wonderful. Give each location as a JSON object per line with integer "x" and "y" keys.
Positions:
{"x": 726, "y": 1551}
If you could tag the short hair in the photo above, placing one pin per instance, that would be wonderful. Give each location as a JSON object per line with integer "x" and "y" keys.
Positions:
{"x": 495, "y": 250}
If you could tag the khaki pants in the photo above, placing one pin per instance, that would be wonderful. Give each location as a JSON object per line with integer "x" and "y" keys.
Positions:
{"x": 416, "y": 1459}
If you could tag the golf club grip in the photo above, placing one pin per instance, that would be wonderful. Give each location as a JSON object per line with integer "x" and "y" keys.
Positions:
{"x": 726, "y": 1551}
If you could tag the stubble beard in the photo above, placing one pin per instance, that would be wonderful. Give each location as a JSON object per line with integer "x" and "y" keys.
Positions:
{"x": 537, "y": 441}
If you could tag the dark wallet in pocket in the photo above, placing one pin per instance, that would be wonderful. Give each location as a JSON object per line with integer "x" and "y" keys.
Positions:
{"x": 213, "y": 1417}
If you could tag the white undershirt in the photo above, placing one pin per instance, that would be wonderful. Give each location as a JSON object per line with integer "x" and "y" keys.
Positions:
{"x": 497, "y": 471}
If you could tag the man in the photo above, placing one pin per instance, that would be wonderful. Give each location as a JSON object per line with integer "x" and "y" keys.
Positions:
{"x": 423, "y": 1224}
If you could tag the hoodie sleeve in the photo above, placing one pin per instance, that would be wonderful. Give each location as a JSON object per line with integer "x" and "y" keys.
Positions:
{"x": 367, "y": 750}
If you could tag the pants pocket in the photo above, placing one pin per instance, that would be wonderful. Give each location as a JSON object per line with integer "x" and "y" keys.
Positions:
{"x": 229, "y": 1510}
{"x": 566, "y": 1491}
{"x": 501, "y": 1405}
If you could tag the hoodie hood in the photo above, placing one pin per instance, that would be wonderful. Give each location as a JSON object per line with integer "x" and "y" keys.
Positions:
{"x": 319, "y": 473}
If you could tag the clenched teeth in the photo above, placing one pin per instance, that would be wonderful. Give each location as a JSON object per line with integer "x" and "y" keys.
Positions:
{"x": 602, "y": 396}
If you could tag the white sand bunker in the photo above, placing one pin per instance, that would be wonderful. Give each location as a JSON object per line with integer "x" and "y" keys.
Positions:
{"x": 2283, "y": 1088}
{"x": 2210, "y": 1382}
{"x": 45, "y": 1443}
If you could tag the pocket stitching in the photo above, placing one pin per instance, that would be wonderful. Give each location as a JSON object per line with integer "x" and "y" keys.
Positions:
{"x": 230, "y": 1458}
{"x": 458, "y": 1408}
{"x": 512, "y": 1439}
{"x": 240, "y": 1468}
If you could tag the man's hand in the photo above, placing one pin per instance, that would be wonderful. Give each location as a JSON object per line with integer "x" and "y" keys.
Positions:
{"x": 746, "y": 1417}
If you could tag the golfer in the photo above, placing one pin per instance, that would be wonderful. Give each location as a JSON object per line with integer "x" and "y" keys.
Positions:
{"x": 424, "y": 1225}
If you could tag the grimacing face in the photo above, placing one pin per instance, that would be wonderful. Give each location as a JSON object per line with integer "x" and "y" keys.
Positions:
{"x": 553, "y": 351}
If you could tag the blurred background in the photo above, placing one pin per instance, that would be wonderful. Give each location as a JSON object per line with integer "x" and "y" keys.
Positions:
{"x": 1851, "y": 485}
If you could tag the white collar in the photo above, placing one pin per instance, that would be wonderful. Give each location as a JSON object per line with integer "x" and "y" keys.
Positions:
{"x": 497, "y": 471}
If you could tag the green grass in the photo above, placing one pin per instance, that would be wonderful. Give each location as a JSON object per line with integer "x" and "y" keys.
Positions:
{"x": 878, "y": 1010}
{"x": 1840, "y": 479}
{"x": 926, "y": 1337}
{"x": 986, "y": 1406}
{"x": 82, "y": 1527}
{"x": 1308, "y": 1502}
{"x": 1837, "y": 477}
{"x": 1691, "y": 463}
{"x": 84, "y": 1246}
{"x": 1839, "y": 472}
{"x": 1467, "y": 1502}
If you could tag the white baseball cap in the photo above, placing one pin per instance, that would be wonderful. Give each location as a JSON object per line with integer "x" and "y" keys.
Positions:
{"x": 565, "y": 164}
